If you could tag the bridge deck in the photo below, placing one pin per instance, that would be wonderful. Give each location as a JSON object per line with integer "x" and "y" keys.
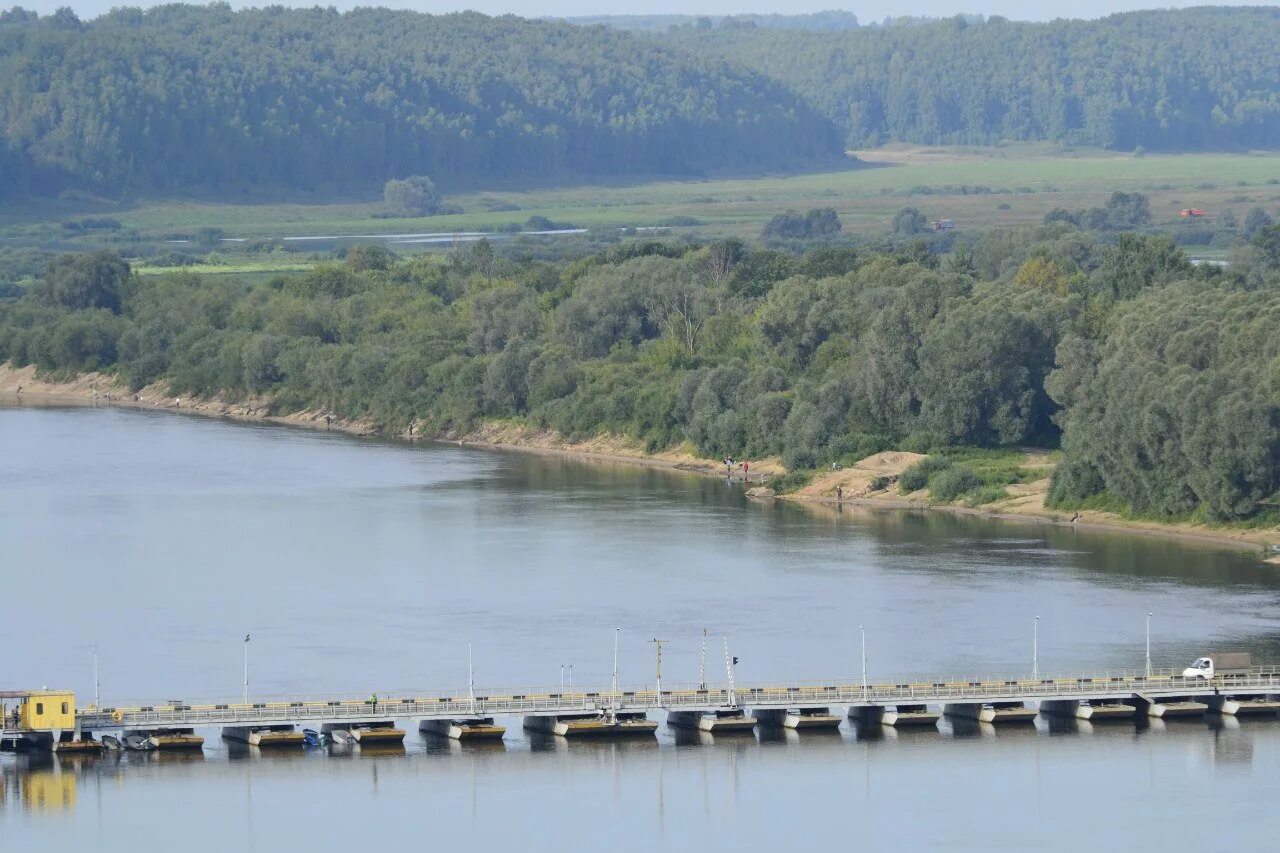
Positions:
{"x": 1259, "y": 681}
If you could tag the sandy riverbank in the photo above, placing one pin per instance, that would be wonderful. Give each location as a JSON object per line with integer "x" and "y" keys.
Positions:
{"x": 104, "y": 390}
{"x": 1025, "y": 504}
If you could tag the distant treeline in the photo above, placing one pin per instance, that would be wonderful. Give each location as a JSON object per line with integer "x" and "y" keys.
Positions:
{"x": 1160, "y": 379}
{"x": 1162, "y": 80}
{"x": 179, "y": 97}
{"x": 829, "y": 21}
{"x": 226, "y": 102}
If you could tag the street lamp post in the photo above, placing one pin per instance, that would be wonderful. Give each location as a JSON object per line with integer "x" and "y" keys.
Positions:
{"x": 616, "y": 632}
{"x": 658, "y": 643}
{"x": 702, "y": 663}
{"x": 1148, "y": 645}
{"x": 863, "y": 632}
{"x": 1035, "y": 649}
{"x": 246, "y": 669}
{"x": 729, "y": 663}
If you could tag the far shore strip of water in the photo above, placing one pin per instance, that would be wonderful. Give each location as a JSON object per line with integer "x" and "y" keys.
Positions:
{"x": 105, "y": 390}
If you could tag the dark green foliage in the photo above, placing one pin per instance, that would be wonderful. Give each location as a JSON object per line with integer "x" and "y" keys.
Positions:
{"x": 1161, "y": 377}
{"x": 912, "y": 480}
{"x": 919, "y": 475}
{"x": 985, "y": 494}
{"x": 1160, "y": 79}
{"x": 314, "y": 100}
{"x": 1123, "y": 212}
{"x": 908, "y": 222}
{"x": 24, "y": 264}
{"x": 790, "y": 482}
{"x": 1178, "y": 412}
{"x": 412, "y": 196}
{"x": 952, "y": 483}
{"x": 94, "y": 280}
{"x": 1255, "y": 219}
{"x": 1266, "y": 242}
{"x": 793, "y": 225}
{"x": 1137, "y": 263}
{"x": 365, "y": 257}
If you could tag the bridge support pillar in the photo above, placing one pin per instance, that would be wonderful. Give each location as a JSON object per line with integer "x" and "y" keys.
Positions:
{"x": 867, "y": 714}
{"x": 469, "y": 728}
{"x": 1169, "y": 706}
{"x": 991, "y": 712}
{"x": 797, "y": 718}
{"x": 381, "y": 732}
{"x": 278, "y": 735}
{"x": 894, "y": 715}
{"x": 621, "y": 724}
{"x": 1090, "y": 709}
{"x": 717, "y": 722}
{"x": 1221, "y": 703}
{"x": 180, "y": 738}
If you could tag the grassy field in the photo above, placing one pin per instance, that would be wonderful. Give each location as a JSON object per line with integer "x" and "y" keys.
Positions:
{"x": 270, "y": 265}
{"x": 977, "y": 188}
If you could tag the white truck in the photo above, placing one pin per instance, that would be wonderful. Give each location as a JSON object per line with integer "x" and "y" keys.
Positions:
{"x": 1226, "y": 664}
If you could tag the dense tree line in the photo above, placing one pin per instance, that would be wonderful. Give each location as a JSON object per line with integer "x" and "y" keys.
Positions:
{"x": 1159, "y": 378}
{"x": 828, "y": 21}
{"x": 205, "y": 97}
{"x": 1163, "y": 80}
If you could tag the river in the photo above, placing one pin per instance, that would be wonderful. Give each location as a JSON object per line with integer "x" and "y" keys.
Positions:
{"x": 360, "y": 566}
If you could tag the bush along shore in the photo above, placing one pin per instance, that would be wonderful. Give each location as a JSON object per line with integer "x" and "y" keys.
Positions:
{"x": 1135, "y": 385}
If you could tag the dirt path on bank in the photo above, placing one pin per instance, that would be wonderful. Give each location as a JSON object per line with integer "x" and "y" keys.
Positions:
{"x": 871, "y": 482}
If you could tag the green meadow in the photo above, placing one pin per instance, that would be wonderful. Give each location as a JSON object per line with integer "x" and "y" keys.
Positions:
{"x": 977, "y": 188}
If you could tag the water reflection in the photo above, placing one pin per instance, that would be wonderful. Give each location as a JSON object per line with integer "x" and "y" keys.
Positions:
{"x": 684, "y": 783}
{"x": 364, "y": 565}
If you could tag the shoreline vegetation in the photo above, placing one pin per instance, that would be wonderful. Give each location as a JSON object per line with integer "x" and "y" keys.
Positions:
{"x": 1025, "y": 503}
{"x": 1085, "y": 365}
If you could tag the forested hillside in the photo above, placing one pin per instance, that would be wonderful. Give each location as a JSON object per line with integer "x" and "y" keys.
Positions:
{"x": 1164, "y": 80}
{"x": 829, "y": 21}
{"x": 202, "y": 97}
{"x": 1160, "y": 378}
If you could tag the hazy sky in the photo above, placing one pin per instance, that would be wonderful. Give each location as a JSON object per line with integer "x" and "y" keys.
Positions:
{"x": 1035, "y": 10}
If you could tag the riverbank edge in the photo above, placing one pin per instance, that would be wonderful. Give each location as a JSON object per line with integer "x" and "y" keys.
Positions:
{"x": 102, "y": 389}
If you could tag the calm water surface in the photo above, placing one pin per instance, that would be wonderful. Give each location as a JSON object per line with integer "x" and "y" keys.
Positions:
{"x": 361, "y": 566}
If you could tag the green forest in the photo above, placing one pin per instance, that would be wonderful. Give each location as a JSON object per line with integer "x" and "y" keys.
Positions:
{"x": 1158, "y": 80}
{"x": 1159, "y": 379}
{"x": 259, "y": 102}
{"x": 201, "y": 97}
